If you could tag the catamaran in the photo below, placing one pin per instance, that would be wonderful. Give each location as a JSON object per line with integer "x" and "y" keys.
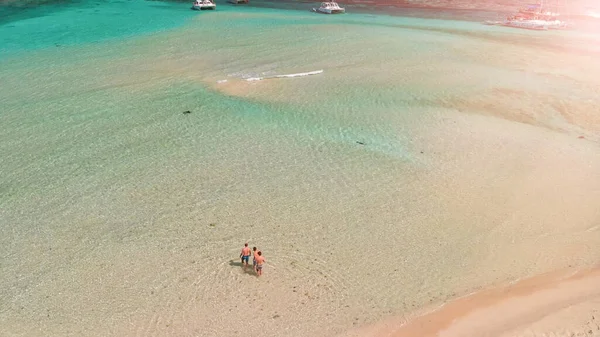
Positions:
{"x": 200, "y": 5}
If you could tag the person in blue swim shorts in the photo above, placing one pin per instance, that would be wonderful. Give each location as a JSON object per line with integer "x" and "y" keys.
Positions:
{"x": 245, "y": 255}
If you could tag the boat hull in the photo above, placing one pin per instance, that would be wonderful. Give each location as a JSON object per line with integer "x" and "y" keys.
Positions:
{"x": 532, "y": 25}
{"x": 329, "y": 11}
{"x": 204, "y": 8}
{"x": 238, "y": 1}
{"x": 529, "y": 26}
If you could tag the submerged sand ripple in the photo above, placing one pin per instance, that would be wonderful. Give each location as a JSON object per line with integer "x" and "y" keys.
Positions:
{"x": 412, "y": 171}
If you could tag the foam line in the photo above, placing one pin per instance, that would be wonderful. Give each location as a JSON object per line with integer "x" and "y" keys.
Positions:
{"x": 285, "y": 76}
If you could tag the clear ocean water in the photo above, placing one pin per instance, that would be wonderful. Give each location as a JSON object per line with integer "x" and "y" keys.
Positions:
{"x": 121, "y": 215}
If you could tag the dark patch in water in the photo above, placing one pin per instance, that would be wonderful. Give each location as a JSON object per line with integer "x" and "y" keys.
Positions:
{"x": 11, "y": 10}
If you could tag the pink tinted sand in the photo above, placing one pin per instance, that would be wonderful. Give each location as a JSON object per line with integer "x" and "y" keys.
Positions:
{"x": 562, "y": 303}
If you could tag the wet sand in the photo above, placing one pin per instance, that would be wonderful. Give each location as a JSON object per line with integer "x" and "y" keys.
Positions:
{"x": 563, "y": 303}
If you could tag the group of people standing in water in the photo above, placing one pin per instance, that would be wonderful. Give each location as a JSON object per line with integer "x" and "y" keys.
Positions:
{"x": 257, "y": 259}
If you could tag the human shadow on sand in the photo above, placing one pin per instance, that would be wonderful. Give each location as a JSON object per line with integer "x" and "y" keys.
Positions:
{"x": 249, "y": 270}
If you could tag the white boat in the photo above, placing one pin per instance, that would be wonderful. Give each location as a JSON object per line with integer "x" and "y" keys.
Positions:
{"x": 538, "y": 16}
{"x": 542, "y": 15}
{"x": 238, "y": 1}
{"x": 329, "y": 8}
{"x": 201, "y": 5}
{"x": 526, "y": 24}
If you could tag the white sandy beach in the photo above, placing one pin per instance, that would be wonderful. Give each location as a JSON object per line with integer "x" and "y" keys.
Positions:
{"x": 564, "y": 303}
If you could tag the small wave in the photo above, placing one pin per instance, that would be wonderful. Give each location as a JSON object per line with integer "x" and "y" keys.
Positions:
{"x": 285, "y": 76}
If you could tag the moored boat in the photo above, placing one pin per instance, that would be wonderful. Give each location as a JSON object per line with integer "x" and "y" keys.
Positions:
{"x": 201, "y": 5}
{"x": 330, "y": 7}
{"x": 537, "y": 16}
{"x": 526, "y": 24}
{"x": 541, "y": 14}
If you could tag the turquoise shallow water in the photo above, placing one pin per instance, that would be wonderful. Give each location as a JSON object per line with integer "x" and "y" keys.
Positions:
{"x": 86, "y": 22}
{"x": 117, "y": 210}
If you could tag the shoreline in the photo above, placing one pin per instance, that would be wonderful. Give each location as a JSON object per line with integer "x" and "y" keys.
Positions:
{"x": 512, "y": 309}
{"x": 393, "y": 9}
{"x": 476, "y": 13}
